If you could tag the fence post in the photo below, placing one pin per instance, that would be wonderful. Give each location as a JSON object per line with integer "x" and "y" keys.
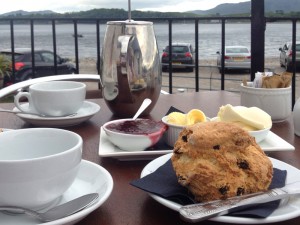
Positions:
{"x": 258, "y": 25}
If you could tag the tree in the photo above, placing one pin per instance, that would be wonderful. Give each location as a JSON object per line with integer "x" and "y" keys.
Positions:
{"x": 5, "y": 68}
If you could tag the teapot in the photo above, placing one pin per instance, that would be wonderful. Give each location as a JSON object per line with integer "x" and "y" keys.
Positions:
{"x": 130, "y": 67}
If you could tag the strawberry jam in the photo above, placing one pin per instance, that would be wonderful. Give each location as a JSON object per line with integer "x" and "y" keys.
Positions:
{"x": 139, "y": 126}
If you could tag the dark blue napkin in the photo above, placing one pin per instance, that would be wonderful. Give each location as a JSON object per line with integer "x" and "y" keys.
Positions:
{"x": 163, "y": 182}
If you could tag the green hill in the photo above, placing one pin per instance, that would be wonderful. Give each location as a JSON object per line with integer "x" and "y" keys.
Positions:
{"x": 271, "y": 6}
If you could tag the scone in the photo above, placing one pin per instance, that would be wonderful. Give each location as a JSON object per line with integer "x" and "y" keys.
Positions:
{"x": 218, "y": 160}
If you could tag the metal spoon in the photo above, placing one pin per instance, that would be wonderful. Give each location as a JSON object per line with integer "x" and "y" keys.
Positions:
{"x": 36, "y": 114}
{"x": 57, "y": 212}
{"x": 144, "y": 105}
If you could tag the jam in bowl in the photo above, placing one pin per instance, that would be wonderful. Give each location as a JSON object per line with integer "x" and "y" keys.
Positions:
{"x": 134, "y": 135}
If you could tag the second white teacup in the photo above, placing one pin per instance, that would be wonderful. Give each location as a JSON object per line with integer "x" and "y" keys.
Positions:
{"x": 53, "y": 98}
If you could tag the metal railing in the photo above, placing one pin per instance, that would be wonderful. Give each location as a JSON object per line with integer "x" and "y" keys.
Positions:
{"x": 170, "y": 21}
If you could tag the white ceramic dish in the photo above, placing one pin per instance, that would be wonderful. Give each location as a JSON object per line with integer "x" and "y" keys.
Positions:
{"x": 87, "y": 110}
{"x": 275, "y": 143}
{"x": 173, "y": 131}
{"x": 285, "y": 212}
{"x": 259, "y": 135}
{"x": 106, "y": 149}
{"x": 134, "y": 142}
{"x": 91, "y": 178}
{"x": 277, "y": 102}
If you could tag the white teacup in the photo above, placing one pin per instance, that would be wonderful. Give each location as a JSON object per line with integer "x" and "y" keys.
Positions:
{"x": 37, "y": 165}
{"x": 53, "y": 98}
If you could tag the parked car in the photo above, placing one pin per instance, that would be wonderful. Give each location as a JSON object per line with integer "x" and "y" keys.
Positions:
{"x": 44, "y": 64}
{"x": 235, "y": 57}
{"x": 285, "y": 56}
{"x": 182, "y": 57}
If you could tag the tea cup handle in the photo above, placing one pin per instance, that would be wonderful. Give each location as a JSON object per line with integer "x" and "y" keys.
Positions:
{"x": 27, "y": 95}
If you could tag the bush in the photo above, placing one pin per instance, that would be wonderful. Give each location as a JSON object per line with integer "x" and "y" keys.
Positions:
{"x": 5, "y": 68}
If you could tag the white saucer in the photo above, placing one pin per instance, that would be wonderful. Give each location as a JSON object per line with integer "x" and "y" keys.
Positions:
{"x": 91, "y": 178}
{"x": 288, "y": 211}
{"x": 87, "y": 110}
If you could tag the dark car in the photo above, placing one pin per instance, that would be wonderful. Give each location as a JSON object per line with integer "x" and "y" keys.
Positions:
{"x": 43, "y": 62}
{"x": 285, "y": 56}
{"x": 182, "y": 57}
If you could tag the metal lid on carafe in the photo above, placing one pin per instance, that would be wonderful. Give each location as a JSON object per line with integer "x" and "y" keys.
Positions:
{"x": 129, "y": 22}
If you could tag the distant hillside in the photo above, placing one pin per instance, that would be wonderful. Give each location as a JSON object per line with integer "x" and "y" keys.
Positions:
{"x": 121, "y": 13}
{"x": 101, "y": 13}
{"x": 286, "y": 6}
{"x": 25, "y": 13}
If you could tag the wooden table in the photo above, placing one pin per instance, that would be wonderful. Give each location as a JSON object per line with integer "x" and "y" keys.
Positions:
{"x": 129, "y": 205}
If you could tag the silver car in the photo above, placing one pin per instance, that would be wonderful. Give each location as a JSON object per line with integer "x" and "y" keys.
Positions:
{"x": 285, "y": 56}
{"x": 235, "y": 57}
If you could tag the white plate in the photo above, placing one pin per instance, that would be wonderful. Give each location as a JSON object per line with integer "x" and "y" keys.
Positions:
{"x": 91, "y": 178}
{"x": 285, "y": 212}
{"x": 87, "y": 110}
{"x": 275, "y": 143}
{"x": 106, "y": 149}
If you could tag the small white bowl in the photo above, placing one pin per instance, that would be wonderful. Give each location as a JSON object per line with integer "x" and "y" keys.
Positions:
{"x": 172, "y": 132}
{"x": 37, "y": 165}
{"x": 131, "y": 141}
{"x": 259, "y": 135}
{"x": 277, "y": 102}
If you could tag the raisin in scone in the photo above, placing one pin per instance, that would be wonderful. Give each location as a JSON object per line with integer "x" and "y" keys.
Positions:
{"x": 218, "y": 160}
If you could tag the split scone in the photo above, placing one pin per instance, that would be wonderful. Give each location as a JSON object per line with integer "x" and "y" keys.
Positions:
{"x": 218, "y": 160}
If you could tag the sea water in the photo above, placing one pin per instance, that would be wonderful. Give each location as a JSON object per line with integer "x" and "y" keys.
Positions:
{"x": 209, "y": 37}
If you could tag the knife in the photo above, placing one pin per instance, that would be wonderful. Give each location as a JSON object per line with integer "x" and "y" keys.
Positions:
{"x": 206, "y": 210}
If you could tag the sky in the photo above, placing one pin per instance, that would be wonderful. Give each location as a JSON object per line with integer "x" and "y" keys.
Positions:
{"x": 62, "y": 6}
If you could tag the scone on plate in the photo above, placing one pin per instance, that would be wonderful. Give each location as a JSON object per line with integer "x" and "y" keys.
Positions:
{"x": 218, "y": 160}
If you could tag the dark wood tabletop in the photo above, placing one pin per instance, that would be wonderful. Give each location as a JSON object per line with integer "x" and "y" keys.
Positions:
{"x": 128, "y": 205}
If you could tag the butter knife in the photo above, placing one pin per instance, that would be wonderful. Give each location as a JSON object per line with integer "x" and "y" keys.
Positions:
{"x": 203, "y": 211}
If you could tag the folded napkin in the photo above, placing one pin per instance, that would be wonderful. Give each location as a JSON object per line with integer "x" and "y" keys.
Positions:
{"x": 159, "y": 146}
{"x": 163, "y": 182}
{"x": 173, "y": 109}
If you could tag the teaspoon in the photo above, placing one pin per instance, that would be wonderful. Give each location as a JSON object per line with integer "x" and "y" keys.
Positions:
{"x": 144, "y": 105}
{"x": 57, "y": 212}
{"x": 36, "y": 114}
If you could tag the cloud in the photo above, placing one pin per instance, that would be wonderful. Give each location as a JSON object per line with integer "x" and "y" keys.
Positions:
{"x": 83, "y": 5}
{"x": 187, "y": 5}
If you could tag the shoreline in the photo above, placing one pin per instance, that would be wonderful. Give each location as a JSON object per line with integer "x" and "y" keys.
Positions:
{"x": 209, "y": 76}
{"x": 87, "y": 65}
{"x": 182, "y": 81}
